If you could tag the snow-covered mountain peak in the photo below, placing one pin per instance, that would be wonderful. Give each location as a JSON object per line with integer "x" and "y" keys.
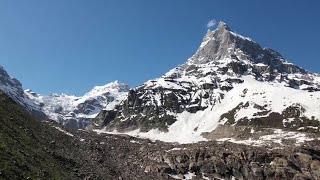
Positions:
{"x": 224, "y": 54}
{"x": 223, "y": 43}
{"x": 223, "y": 32}
{"x": 77, "y": 111}
{"x": 223, "y": 26}
{"x": 229, "y": 51}
{"x": 115, "y": 86}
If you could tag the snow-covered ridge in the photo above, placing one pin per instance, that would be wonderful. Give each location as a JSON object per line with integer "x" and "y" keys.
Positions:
{"x": 114, "y": 87}
{"x": 76, "y": 112}
{"x": 13, "y": 88}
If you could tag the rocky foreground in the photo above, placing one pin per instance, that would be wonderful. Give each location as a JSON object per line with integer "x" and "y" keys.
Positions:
{"x": 30, "y": 149}
{"x": 143, "y": 159}
{"x": 86, "y": 155}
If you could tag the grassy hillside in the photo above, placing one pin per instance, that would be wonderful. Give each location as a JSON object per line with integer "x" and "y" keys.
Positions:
{"x": 31, "y": 149}
{"x": 24, "y": 145}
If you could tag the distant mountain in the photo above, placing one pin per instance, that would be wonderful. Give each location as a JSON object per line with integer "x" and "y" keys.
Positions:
{"x": 231, "y": 81}
{"x": 71, "y": 111}
{"x": 76, "y": 112}
{"x": 13, "y": 88}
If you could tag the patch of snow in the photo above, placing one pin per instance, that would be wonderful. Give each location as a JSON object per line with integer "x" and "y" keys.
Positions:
{"x": 240, "y": 36}
{"x": 136, "y": 142}
{"x": 205, "y": 177}
{"x": 280, "y": 135}
{"x": 250, "y": 142}
{"x": 277, "y": 137}
{"x": 174, "y": 176}
{"x": 189, "y": 175}
{"x": 176, "y": 149}
{"x": 185, "y": 176}
{"x": 252, "y": 130}
{"x": 260, "y": 64}
{"x": 65, "y": 132}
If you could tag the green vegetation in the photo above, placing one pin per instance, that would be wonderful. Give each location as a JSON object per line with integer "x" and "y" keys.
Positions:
{"x": 24, "y": 146}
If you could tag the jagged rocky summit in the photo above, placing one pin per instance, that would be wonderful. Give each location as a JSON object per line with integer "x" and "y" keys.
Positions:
{"x": 230, "y": 83}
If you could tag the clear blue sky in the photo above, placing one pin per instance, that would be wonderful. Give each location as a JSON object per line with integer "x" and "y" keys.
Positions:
{"x": 71, "y": 45}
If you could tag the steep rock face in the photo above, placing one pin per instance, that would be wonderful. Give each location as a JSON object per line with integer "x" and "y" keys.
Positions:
{"x": 77, "y": 112}
{"x": 227, "y": 70}
{"x": 13, "y": 88}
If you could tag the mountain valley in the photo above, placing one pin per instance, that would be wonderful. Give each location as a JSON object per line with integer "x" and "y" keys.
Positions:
{"x": 234, "y": 110}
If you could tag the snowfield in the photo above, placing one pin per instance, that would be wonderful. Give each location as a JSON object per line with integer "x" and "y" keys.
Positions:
{"x": 273, "y": 96}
